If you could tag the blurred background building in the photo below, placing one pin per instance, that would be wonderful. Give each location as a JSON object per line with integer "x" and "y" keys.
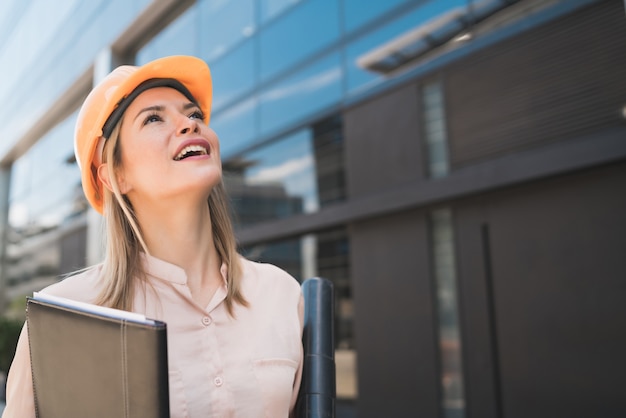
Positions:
{"x": 456, "y": 167}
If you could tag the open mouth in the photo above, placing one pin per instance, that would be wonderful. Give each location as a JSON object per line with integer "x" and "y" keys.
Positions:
{"x": 191, "y": 151}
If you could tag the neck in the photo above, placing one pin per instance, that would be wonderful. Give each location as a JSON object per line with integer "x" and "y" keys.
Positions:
{"x": 182, "y": 235}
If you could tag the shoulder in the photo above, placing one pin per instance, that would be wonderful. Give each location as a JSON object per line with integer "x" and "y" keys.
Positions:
{"x": 269, "y": 279}
{"x": 84, "y": 286}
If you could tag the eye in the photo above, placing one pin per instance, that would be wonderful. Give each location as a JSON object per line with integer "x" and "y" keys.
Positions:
{"x": 197, "y": 114}
{"x": 153, "y": 117}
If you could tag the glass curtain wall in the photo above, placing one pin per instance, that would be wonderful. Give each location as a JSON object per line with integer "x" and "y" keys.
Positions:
{"x": 45, "y": 200}
{"x": 46, "y": 47}
{"x": 280, "y": 64}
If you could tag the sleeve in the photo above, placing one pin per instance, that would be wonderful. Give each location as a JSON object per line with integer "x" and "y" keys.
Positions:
{"x": 298, "y": 378}
{"x": 20, "y": 400}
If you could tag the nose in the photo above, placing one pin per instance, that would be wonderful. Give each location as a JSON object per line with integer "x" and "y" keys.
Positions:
{"x": 189, "y": 125}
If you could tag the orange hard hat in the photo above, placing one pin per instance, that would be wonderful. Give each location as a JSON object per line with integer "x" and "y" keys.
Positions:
{"x": 105, "y": 104}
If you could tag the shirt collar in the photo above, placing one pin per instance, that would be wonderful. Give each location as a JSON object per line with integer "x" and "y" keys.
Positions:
{"x": 164, "y": 270}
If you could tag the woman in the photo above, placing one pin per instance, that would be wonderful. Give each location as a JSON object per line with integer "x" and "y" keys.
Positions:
{"x": 151, "y": 165}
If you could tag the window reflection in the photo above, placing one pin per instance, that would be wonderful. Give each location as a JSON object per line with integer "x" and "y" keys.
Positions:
{"x": 310, "y": 90}
{"x": 236, "y": 127}
{"x": 233, "y": 75}
{"x": 56, "y": 48}
{"x": 275, "y": 182}
{"x": 46, "y": 17}
{"x": 272, "y": 8}
{"x": 223, "y": 24}
{"x": 44, "y": 181}
{"x": 21, "y": 180}
{"x": 307, "y": 29}
{"x": 46, "y": 196}
{"x": 359, "y": 12}
{"x": 296, "y": 174}
{"x": 324, "y": 254}
{"x": 179, "y": 38}
{"x": 329, "y": 157}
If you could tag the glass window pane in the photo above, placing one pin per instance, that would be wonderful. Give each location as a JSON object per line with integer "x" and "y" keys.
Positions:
{"x": 272, "y": 8}
{"x": 434, "y": 130}
{"x": 53, "y": 151}
{"x": 179, "y": 38}
{"x": 328, "y": 147}
{"x": 356, "y": 13}
{"x": 224, "y": 23}
{"x": 21, "y": 180}
{"x": 296, "y": 174}
{"x": 47, "y": 180}
{"x": 47, "y": 194}
{"x": 310, "y": 90}
{"x": 236, "y": 126}
{"x": 57, "y": 64}
{"x": 233, "y": 74}
{"x": 444, "y": 261}
{"x": 276, "y": 181}
{"x": 48, "y": 18}
{"x": 307, "y": 29}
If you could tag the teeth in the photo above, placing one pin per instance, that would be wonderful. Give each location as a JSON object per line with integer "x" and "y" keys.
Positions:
{"x": 189, "y": 149}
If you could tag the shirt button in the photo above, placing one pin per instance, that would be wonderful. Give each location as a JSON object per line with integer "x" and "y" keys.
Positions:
{"x": 218, "y": 381}
{"x": 206, "y": 320}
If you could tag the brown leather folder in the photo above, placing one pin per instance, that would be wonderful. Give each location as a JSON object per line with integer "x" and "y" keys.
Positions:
{"x": 86, "y": 364}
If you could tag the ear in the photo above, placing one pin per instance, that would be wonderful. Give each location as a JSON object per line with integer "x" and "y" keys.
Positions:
{"x": 103, "y": 176}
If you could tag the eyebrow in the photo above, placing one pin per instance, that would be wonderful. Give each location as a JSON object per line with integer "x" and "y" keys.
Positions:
{"x": 149, "y": 109}
{"x": 190, "y": 105}
{"x": 159, "y": 108}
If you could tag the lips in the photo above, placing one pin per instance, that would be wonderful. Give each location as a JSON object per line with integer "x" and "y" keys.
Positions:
{"x": 192, "y": 148}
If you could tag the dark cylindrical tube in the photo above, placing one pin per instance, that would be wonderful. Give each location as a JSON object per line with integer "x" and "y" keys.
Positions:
{"x": 317, "y": 391}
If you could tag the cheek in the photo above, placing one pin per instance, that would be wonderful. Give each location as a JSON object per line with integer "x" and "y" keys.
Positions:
{"x": 214, "y": 140}
{"x": 139, "y": 164}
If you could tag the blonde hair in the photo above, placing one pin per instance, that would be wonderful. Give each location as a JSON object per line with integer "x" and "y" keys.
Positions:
{"x": 124, "y": 242}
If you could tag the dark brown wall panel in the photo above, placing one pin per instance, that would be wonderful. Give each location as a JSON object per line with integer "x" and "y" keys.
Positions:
{"x": 558, "y": 288}
{"x": 381, "y": 140}
{"x": 559, "y": 81}
{"x": 480, "y": 343}
{"x": 395, "y": 329}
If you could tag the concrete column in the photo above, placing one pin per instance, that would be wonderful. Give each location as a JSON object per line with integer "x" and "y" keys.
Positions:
{"x": 5, "y": 184}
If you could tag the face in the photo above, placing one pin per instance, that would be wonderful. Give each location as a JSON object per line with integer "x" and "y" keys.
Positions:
{"x": 167, "y": 150}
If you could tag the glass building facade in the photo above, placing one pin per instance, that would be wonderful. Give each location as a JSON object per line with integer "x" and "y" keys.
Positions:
{"x": 288, "y": 78}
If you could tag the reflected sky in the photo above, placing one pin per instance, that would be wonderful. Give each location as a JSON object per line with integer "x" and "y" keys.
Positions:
{"x": 304, "y": 31}
{"x": 310, "y": 90}
{"x": 224, "y": 23}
